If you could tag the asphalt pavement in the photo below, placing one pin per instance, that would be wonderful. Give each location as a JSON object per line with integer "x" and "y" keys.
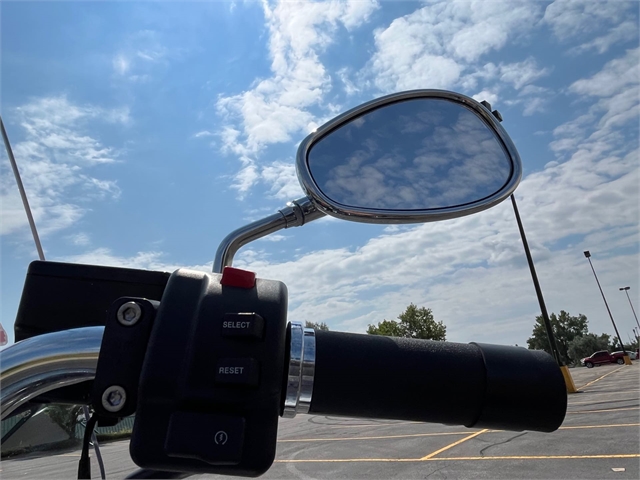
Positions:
{"x": 599, "y": 439}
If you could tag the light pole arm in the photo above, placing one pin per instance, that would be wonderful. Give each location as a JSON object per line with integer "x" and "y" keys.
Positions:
{"x": 631, "y": 304}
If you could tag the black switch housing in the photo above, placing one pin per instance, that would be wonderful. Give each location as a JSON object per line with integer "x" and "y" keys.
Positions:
{"x": 233, "y": 426}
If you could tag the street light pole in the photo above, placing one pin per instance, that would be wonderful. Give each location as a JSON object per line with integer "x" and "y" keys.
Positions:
{"x": 587, "y": 254}
{"x": 626, "y": 290}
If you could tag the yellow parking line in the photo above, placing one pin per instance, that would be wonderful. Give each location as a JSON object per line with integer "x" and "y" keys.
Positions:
{"x": 604, "y": 401}
{"x": 360, "y": 425}
{"x": 611, "y": 394}
{"x": 433, "y": 454}
{"x": 370, "y": 438}
{"x": 347, "y": 460}
{"x": 604, "y": 411}
{"x": 542, "y": 457}
{"x": 438, "y": 434}
{"x": 601, "y": 426}
{"x": 600, "y": 378}
{"x": 459, "y": 459}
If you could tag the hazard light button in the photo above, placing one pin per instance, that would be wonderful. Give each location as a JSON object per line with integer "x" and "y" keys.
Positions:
{"x": 236, "y": 277}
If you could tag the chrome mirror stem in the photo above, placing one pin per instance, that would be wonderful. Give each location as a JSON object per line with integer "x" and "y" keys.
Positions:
{"x": 295, "y": 214}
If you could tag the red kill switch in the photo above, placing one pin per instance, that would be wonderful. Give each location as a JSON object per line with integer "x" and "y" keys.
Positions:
{"x": 235, "y": 277}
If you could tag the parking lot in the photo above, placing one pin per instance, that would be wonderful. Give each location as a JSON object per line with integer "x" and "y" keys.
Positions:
{"x": 599, "y": 439}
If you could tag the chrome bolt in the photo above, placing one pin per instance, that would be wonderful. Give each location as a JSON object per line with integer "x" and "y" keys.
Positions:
{"x": 129, "y": 313}
{"x": 114, "y": 398}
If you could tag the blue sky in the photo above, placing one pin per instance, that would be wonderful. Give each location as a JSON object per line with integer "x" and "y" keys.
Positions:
{"x": 146, "y": 132}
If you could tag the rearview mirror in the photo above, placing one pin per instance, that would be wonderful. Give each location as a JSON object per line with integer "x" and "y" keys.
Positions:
{"x": 411, "y": 157}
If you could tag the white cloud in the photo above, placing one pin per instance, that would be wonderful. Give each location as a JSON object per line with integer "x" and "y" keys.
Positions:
{"x": 80, "y": 239}
{"x": 523, "y": 73}
{"x": 146, "y": 260}
{"x": 533, "y": 105}
{"x": 204, "y": 134}
{"x": 490, "y": 97}
{"x": 279, "y": 106}
{"x": 616, "y": 88}
{"x": 624, "y": 32}
{"x": 616, "y": 74}
{"x": 357, "y": 12}
{"x": 279, "y": 177}
{"x": 140, "y": 53}
{"x": 283, "y": 180}
{"x": 349, "y": 87}
{"x": 274, "y": 237}
{"x": 270, "y": 120}
{"x": 433, "y": 46}
{"x": 55, "y": 159}
{"x": 103, "y": 256}
{"x": 230, "y": 143}
{"x": 246, "y": 178}
{"x": 488, "y": 25}
{"x": 574, "y": 18}
{"x": 121, "y": 64}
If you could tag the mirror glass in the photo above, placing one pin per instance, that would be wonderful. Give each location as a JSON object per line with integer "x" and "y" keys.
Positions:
{"x": 418, "y": 154}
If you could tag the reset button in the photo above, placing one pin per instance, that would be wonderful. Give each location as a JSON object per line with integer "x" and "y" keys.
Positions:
{"x": 237, "y": 371}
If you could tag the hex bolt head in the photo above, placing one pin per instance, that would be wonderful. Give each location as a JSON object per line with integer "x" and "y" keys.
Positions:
{"x": 496, "y": 114}
{"x": 486, "y": 104}
{"x": 129, "y": 313}
{"x": 114, "y": 398}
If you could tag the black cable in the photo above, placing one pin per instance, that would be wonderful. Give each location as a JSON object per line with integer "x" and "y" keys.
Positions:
{"x": 84, "y": 465}
{"x": 96, "y": 446}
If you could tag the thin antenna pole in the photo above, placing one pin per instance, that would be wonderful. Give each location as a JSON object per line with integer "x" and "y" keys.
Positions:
{"x": 543, "y": 308}
{"x": 23, "y": 194}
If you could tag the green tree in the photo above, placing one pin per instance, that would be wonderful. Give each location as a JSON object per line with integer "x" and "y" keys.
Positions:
{"x": 317, "y": 325}
{"x": 386, "y": 328}
{"x": 615, "y": 345}
{"x": 66, "y": 416}
{"x": 581, "y": 347}
{"x": 565, "y": 328}
{"x": 414, "y": 322}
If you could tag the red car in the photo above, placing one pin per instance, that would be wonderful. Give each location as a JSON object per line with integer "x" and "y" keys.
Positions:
{"x": 601, "y": 357}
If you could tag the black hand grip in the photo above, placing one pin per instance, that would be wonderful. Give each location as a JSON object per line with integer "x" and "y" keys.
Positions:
{"x": 475, "y": 385}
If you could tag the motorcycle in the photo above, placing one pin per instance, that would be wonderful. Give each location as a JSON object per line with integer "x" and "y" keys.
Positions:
{"x": 208, "y": 362}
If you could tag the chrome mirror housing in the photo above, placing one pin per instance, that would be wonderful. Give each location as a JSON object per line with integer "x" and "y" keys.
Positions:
{"x": 411, "y": 157}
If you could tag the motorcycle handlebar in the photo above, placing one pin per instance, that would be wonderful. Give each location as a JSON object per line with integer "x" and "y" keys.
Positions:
{"x": 475, "y": 385}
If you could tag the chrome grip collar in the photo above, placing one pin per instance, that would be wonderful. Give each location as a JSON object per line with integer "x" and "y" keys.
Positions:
{"x": 302, "y": 365}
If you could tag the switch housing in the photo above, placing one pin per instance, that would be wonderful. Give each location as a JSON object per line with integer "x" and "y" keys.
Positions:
{"x": 210, "y": 402}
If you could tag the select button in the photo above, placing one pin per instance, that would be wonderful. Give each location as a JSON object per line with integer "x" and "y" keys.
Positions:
{"x": 242, "y": 325}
